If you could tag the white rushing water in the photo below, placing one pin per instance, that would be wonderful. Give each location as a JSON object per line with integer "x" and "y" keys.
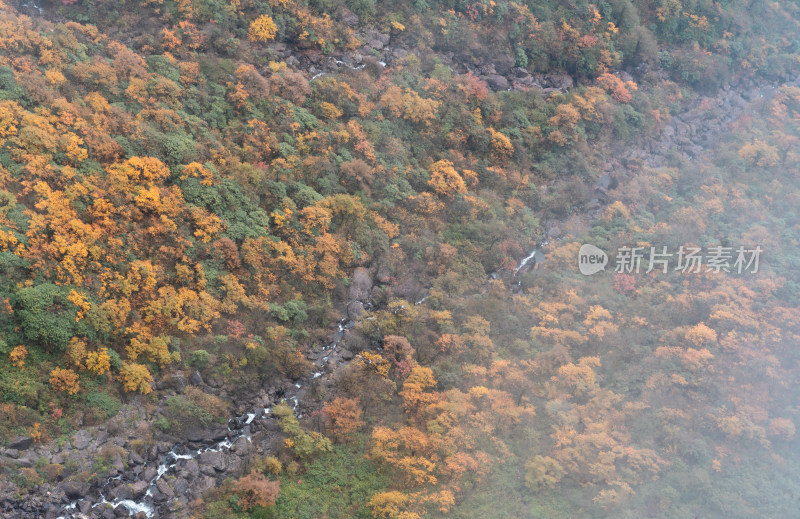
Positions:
{"x": 134, "y": 508}
{"x": 526, "y": 260}
{"x": 170, "y": 460}
{"x": 341, "y": 63}
{"x": 535, "y": 253}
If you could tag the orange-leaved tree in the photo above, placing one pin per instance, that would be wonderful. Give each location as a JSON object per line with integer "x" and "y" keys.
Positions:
{"x": 343, "y": 417}
{"x": 65, "y": 380}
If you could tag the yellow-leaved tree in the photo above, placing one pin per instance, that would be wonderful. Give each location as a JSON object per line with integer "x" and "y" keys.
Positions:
{"x": 18, "y": 356}
{"x": 98, "y": 362}
{"x": 263, "y": 28}
{"x": 445, "y": 180}
{"x": 135, "y": 377}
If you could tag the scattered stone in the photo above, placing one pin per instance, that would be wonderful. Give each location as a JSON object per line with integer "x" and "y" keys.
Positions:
{"x": 177, "y": 381}
{"x": 216, "y": 382}
{"x": 101, "y": 436}
{"x": 604, "y": 181}
{"x": 26, "y": 462}
{"x": 135, "y": 459}
{"x": 11, "y": 453}
{"x": 139, "y": 488}
{"x": 51, "y": 511}
{"x": 552, "y": 230}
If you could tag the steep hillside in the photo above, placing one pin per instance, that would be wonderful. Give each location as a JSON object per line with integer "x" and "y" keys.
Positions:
{"x": 309, "y": 220}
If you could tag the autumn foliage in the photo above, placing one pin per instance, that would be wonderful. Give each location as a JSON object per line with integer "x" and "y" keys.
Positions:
{"x": 254, "y": 490}
{"x": 64, "y": 380}
{"x": 262, "y": 29}
{"x": 135, "y": 377}
{"x": 17, "y": 356}
{"x": 344, "y": 418}
{"x": 181, "y": 192}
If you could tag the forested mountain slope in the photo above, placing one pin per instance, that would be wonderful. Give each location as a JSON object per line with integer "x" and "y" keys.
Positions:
{"x": 193, "y": 194}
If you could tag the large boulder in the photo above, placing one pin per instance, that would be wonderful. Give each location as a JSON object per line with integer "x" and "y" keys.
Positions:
{"x": 21, "y": 443}
{"x": 135, "y": 459}
{"x": 213, "y": 459}
{"x": 164, "y": 488}
{"x": 362, "y": 284}
{"x": 176, "y": 381}
{"x": 355, "y": 310}
{"x": 149, "y": 473}
{"x": 190, "y": 468}
{"x": 129, "y": 490}
{"x": 196, "y": 379}
{"x": 503, "y": 63}
{"x": 75, "y": 489}
{"x": 212, "y": 433}
{"x": 560, "y": 81}
{"x": 180, "y": 486}
{"x": 139, "y": 488}
{"x": 235, "y": 465}
{"x": 241, "y": 446}
{"x": 84, "y": 506}
{"x": 497, "y": 82}
{"x": 81, "y": 439}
